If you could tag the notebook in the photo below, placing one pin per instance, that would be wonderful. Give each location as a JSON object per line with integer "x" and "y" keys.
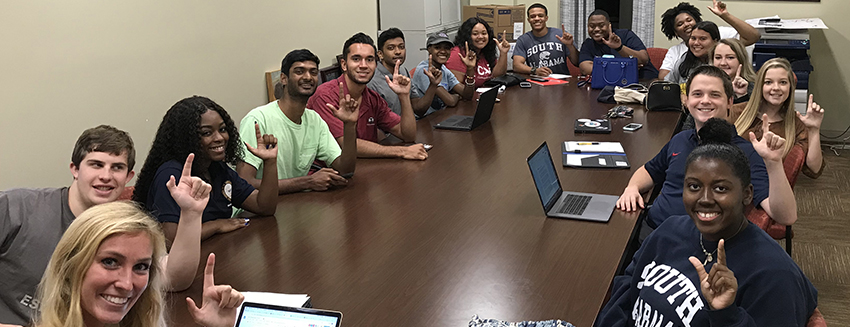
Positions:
{"x": 585, "y": 125}
{"x": 558, "y": 203}
{"x": 594, "y": 154}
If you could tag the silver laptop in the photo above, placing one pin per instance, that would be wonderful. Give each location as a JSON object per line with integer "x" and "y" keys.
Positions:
{"x": 482, "y": 114}
{"x": 267, "y": 315}
{"x": 560, "y": 204}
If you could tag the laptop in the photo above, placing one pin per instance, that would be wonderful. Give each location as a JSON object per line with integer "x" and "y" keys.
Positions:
{"x": 482, "y": 114}
{"x": 558, "y": 203}
{"x": 267, "y": 315}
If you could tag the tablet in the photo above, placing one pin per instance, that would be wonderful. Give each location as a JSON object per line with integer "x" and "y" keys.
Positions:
{"x": 267, "y": 315}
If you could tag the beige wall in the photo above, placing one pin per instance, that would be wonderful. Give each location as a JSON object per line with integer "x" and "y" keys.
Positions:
{"x": 71, "y": 65}
{"x": 829, "y": 48}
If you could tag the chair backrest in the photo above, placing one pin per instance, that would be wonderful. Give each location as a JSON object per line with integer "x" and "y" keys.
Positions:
{"x": 794, "y": 163}
{"x": 127, "y": 195}
{"x": 573, "y": 69}
{"x": 656, "y": 56}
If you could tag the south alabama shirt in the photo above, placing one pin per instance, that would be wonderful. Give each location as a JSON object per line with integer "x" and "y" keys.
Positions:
{"x": 661, "y": 287}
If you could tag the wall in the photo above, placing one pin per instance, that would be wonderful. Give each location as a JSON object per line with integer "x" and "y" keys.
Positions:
{"x": 71, "y": 65}
{"x": 829, "y": 81}
{"x": 552, "y": 6}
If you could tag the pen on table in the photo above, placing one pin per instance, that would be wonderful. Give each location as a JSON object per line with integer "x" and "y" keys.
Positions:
{"x": 588, "y": 143}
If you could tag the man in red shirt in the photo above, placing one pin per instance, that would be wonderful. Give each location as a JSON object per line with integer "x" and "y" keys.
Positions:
{"x": 358, "y": 66}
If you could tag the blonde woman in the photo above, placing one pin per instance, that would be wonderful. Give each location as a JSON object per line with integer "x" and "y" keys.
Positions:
{"x": 773, "y": 100}
{"x": 731, "y": 56}
{"x": 107, "y": 270}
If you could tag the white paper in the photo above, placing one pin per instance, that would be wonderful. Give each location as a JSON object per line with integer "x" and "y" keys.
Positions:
{"x": 559, "y": 76}
{"x": 594, "y": 147}
{"x": 802, "y": 23}
{"x": 518, "y": 26}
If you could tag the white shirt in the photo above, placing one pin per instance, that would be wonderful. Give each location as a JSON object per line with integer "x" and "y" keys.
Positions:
{"x": 676, "y": 53}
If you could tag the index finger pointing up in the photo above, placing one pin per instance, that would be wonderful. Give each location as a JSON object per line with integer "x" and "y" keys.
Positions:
{"x": 397, "y": 63}
{"x": 738, "y": 74}
{"x": 765, "y": 126}
{"x": 564, "y": 30}
{"x": 341, "y": 93}
{"x": 721, "y": 252}
{"x": 209, "y": 279}
{"x": 187, "y": 167}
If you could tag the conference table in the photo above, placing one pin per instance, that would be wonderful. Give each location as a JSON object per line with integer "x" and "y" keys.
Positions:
{"x": 463, "y": 233}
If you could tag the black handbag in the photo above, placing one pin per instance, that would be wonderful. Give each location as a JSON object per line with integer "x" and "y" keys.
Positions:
{"x": 664, "y": 96}
{"x": 506, "y": 80}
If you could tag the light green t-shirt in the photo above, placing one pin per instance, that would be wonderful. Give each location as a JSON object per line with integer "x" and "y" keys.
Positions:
{"x": 297, "y": 144}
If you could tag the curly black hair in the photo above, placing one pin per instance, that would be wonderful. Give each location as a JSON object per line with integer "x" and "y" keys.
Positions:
{"x": 464, "y": 34}
{"x": 179, "y": 135}
{"x": 716, "y": 143}
{"x": 668, "y": 18}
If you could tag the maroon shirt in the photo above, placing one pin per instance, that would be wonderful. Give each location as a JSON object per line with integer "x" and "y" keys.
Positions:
{"x": 374, "y": 112}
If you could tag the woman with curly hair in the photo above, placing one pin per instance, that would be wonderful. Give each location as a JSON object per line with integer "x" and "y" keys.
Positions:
{"x": 474, "y": 59}
{"x": 108, "y": 270}
{"x": 199, "y": 126}
{"x": 679, "y": 21}
{"x": 773, "y": 100}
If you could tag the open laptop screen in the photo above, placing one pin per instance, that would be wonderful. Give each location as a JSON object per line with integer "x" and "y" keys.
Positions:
{"x": 263, "y": 315}
{"x": 545, "y": 177}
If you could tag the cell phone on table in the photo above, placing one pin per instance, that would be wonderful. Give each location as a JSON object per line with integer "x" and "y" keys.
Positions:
{"x": 632, "y": 127}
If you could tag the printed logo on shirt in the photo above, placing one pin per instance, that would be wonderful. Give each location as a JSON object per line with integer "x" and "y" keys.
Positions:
{"x": 675, "y": 154}
{"x": 672, "y": 287}
{"x": 370, "y": 121}
{"x": 227, "y": 190}
{"x": 544, "y": 55}
{"x": 483, "y": 70}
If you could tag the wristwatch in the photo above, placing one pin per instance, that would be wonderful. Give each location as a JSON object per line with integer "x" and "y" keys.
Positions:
{"x": 533, "y": 70}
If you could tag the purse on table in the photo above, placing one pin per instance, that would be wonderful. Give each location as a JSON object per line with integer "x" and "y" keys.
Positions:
{"x": 613, "y": 71}
{"x": 664, "y": 96}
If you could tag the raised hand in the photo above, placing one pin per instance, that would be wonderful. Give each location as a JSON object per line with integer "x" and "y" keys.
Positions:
{"x": 326, "y": 178}
{"x": 739, "y": 84}
{"x": 349, "y": 109}
{"x": 630, "y": 200}
{"x": 770, "y": 147}
{"x": 400, "y": 84}
{"x": 192, "y": 193}
{"x": 219, "y": 302}
{"x": 566, "y": 38}
{"x": 814, "y": 115}
{"x": 613, "y": 40}
{"x": 503, "y": 45}
{"x": 266, "y": 145}
{"x": 434, "y": 75}
{"x": 718, "y": 8}
{"x": 720, "y": 285}
{"x": 469, "y": 60}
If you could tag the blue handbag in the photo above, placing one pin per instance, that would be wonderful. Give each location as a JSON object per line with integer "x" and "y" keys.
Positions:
{"x": 613, "y": 71}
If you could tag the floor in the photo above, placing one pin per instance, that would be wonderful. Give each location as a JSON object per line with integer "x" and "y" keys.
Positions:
{"x": 821, "y": 244}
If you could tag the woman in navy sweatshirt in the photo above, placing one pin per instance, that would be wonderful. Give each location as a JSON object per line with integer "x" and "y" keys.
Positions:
{"x": 713, "y": 268}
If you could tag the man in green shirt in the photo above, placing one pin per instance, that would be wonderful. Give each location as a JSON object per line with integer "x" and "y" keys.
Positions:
{"x": 302, "y": 134}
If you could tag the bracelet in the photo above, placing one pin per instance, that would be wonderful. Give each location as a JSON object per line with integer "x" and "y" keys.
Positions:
{"x": 469, "y": 78}
{"x": 620, "y": 48}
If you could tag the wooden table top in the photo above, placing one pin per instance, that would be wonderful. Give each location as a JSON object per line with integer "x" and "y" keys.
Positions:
{"x": 431, "y": 243}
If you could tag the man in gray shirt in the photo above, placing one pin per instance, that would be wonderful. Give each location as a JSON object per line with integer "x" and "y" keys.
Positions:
{"x": 544, "y": 50}
{"x": 391, "y": 50}
{"x": 33, "y": 220}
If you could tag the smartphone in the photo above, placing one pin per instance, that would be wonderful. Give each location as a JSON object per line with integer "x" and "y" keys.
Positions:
{"x": 538, "y": 79}
{"x": 524, "y": 85}
{"x": 632, "y": 127}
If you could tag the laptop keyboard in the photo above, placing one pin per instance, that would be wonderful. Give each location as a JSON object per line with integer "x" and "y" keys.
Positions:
{"x": 574, "y": 204}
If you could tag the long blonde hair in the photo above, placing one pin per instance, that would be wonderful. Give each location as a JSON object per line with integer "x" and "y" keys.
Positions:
{"x": 740, "y": 51}
{"x": 751, "y": 111}
{"x": 60, "y": 287}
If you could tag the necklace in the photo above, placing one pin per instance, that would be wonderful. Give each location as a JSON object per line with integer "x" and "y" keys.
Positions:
{"x": 708, "y": 255}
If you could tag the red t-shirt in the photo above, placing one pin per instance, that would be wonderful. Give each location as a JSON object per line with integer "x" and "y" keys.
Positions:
{"x": 482, "y": 72}
{"x": 374, "y": 112}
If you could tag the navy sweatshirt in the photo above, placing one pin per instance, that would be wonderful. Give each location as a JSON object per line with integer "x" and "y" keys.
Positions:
{"x": 661, "y": 287}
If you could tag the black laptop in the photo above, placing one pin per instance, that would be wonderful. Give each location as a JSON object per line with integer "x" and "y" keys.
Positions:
{"x": 482, "y": 114}
{"x": 267, "y": 315}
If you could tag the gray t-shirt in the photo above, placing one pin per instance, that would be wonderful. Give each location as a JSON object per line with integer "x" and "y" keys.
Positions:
{"x": 544, "y": 51}
{"x": 379, "y": 84}
{"x": 31, "y": 223}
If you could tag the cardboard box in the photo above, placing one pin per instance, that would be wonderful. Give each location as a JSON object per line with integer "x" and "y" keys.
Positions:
{"x": 500, "y": 18}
